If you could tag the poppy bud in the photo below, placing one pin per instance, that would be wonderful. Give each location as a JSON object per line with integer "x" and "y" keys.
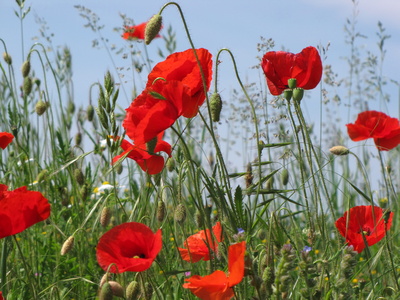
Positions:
{"x": 68, "y": 245}
{"x": 42, "y": 175}
{"x": 170, "y": 164}
{"x": 292, "y": 83}
{"x": 270, "y": 183}
{"x": 339, "y": 150}
{"x": 90, "y": 113}
{"x": 7, "y": 58}
{"x": 116, "y": 289}
{"x": 199, "y": 219}
{"x": 148, "y": 291}
{"x": 132, "y": 291}
{"x": 27, "y": 86}
{"x": 26, "y": 68}
{"x": 386, "y": 215}
{"x": 79, "y": 177}
{"x": 153, "y": 27}
{"x": 215, "y": 106}
{"x": 106, "y": 292}
{"x": 298, "y": 94}
{"x": 105, "y": 216}
{"x": 285, "y": 176}
{"x": 161, "y": 211}
{"x": 180, "y": 213}
{"x": 287, "y": 94}
{"x": 119, "y": 169}
{"x": 40, "y": 107}
{"x": 71, "y": 107}
{"x": 78, "y": 138}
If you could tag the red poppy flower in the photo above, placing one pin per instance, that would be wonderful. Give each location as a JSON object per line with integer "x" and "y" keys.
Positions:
{"x": 218, "y": 285}
{"x": 129, "y": 247}
{"x": 5, "y": 139}
{"x": 199, "y": 245}
{"x": 155, "y": 110}
{"x": 135, "y": 32}
{"x": 183, "y": 67}
{"x": 363, "y": 222}
{"x": 150, "y": 162}
{"x": 1, "y": 296}
{"x": 280, "y": 66}
{"x": 20, "y": 209}
{"x": 374, "y": 124}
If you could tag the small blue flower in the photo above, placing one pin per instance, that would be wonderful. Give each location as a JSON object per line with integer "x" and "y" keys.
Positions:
{"x": 240, "y": 230}
{"x": 307, "y": 249}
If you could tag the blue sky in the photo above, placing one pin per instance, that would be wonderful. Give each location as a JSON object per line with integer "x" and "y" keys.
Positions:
{"x": 213, "y": 24}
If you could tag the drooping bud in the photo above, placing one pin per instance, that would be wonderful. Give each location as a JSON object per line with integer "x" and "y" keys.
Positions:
{"x": 106, "y": 292}
{"x": 285, "y": 176}
{"x": 287, "y": 94}
{"x": 298, "y": 94}
{"x": 270, "y": 183}
{"x": 153, "y": 27}
{"x": 170, "y": 164}
{"x": 148, "y": 291}
{"x": 117, "y": 289}
{"x": 339, "y": 150}
{"x": 90, "y": 113}
{"x": 79, "y": 177}
{"x": 78, "y": 138}
{"x": 42, "y": 175}
{"x": 161, "y": 211}
{"x": 7, "y": 58}
{"x": 132, "y": 291}
{"x": 71, "y": 107}
{"x": 68, "y": 245}
{"x": 199, "y": 218}
{"x": 180, "y": 213}
{"x": 27, "y": 86}
{"x": 292, "y": 83}
{"x": 26, "y": 68}
{"x": 215, "y": 106}
{"x": 105, "y": 216}
{"x": 41, "y": 107}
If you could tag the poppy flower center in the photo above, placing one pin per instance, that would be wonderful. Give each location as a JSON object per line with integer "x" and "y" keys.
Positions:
{"x": 139, "y": 256}
{"x": 365, "y": 231}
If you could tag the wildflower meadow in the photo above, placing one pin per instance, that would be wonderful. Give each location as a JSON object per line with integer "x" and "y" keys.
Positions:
{"x": 102, "y": 200}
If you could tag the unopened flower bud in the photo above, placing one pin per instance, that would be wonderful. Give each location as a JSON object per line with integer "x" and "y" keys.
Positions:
{"x": 7, "y": 58}
{"x": 199, "y": 218}
{"x": 42, "y": 175}
{"x": 90, "y": 113}
{"x": 105, "y": 216}
{"x": 153, "y": 27}
{"x": 339, "y": 150}
{"x": 170, "y": 164}
{"x": 117, "y": 289}
{"x": 132, "y": 291}
{"x": 27, "y": 86}
{"x": 298, "y": 94}
{"x": 148, "y": 291}
{"x": 180, "y": 213}
{"x": 106, "y": 292}
{"x": 215, "y": 106}
{"x": 26, "y": 68}
{"x": 249, "y": 176}
{"x": 78, "y": 138}
{"x": 270, "y": 183}
{"x": 79, "y": 177}
{"x": 40, "y": 107}
{"x": 161, "y": 211}
{"x": 68, "y": 245}
{"x": 285, "y": 176}
{"x": 292, "y": 83}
